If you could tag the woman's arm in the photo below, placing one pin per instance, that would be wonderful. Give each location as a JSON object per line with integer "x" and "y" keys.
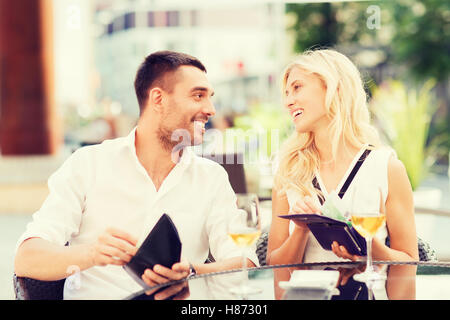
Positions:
{"x": 399, "y": 218}
{"x": 283, "y": 248}
{"x": 402, "y": 232}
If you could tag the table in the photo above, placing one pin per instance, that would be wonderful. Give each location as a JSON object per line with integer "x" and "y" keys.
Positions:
{"x": 405, "y": 281}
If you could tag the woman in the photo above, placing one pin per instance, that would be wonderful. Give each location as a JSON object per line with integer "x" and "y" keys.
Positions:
{"x": 324, "y": 93}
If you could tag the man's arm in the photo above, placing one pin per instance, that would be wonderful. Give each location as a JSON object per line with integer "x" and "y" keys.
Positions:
{"x": 180, "y": 270}
{"x": 41, "y": 253}
{"x": 226, "y": 253}
{"x": 226, "y": 264}
{"x": 42, "y": 260}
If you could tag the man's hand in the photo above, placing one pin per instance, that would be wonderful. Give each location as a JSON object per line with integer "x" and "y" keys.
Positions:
{"x": 161, "y": 274}
{"x": 113, "y": 247}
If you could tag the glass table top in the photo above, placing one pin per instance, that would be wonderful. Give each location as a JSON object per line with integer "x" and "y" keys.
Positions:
{"x": 328, "y": 281}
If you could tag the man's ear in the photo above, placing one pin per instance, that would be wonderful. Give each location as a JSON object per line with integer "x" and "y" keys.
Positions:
{"x": 155, "y": 99}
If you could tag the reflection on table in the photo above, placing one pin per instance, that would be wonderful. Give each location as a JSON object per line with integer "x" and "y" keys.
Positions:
{"x": 335, "y": 281}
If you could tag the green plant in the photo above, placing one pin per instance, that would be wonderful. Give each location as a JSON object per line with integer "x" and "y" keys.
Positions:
{"x": 269, "y": 122}
{"x": 404, "y": 116}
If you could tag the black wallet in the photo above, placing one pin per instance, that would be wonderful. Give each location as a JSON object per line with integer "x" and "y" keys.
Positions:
{"x": 162, "y": 246}
{"x": 326, "y": 230}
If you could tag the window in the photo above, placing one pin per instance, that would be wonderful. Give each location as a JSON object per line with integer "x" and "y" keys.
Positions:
{"x": 130, "y": 20}
{"x": 110, "y": 29}
{"x": 150, "y": 19}
{"x": 194, "y": 16}
{"x": 173, "y": 19}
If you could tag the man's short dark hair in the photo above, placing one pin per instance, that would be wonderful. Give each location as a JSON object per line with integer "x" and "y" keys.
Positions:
{"x": 155, "y": 67}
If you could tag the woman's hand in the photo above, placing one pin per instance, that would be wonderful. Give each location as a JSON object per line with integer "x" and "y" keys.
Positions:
{"x": 342, "y": 252}
{"x": 304, "y": 206}
{"x": 346, "y": 273}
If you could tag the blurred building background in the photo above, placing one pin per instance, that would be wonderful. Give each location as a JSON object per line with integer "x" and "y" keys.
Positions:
{"x": 67, "y": 70}
{"x": 235, "y": 40}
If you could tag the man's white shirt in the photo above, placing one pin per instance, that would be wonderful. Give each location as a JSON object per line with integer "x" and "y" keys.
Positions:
{"x": 105, "y": 185}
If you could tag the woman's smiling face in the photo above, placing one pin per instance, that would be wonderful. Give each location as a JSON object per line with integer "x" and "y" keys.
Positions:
{"x": 305, "y": 100}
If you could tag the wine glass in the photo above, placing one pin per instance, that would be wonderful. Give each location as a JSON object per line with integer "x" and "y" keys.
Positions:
{"x": 244, "y": 228}
{"x": 367, "y": 222}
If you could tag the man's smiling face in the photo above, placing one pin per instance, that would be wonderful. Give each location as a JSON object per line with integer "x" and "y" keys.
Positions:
{"x": 187, "y": 106}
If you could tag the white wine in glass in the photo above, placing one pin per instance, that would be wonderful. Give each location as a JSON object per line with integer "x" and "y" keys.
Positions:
{"x": 244, "y": 228}
{"x": 367, "y": 224}
{"x": 244, "y": 237}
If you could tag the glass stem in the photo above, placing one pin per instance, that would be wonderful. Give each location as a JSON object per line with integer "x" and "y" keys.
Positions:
{"x": 244, "y": 274}
{"x": 369, "y": 269}
{"x": 369, "y": 266}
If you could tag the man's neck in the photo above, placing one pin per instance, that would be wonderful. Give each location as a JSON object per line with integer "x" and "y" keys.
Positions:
{"x": 156, "y": 160}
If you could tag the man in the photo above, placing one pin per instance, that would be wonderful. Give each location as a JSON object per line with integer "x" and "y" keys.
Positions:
{"x": 106, "y": 198}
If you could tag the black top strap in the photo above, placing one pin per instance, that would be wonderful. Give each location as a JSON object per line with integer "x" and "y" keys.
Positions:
{"x": 317, "y": 186}
{"x": 349, "y": 178}
{"x": 353, "y": 173}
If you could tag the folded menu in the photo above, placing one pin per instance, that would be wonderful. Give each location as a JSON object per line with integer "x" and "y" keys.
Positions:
{"x": 326, "y": 230}
{"x": 162, "y": 246}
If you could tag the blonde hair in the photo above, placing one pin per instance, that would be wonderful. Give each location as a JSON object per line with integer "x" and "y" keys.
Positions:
{"x": 346, "y": 106}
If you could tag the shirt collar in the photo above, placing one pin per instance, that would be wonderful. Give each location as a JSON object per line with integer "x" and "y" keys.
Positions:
{"x": 185, "y": 160}
{"x": 130, "y": 140}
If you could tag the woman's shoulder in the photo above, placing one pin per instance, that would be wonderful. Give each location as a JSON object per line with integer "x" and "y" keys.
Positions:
{"x": 381, "y": 156}
{"x": 396, "y": 170}
{"x": 383, "y": 150}
{"x": 397, "y": 176}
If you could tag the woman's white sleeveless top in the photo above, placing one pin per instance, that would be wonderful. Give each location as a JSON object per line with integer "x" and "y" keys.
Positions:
{"x": 362, "y": 195}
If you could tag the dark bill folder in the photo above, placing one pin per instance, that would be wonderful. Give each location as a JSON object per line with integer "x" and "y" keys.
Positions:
{"x": 326, "y": 230}
{"x": 162, "y": 246}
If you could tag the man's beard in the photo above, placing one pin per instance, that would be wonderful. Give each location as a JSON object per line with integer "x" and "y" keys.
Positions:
{"x": 185, "y": 134}
{"x": 165, "y": 138}
{"x": 174, "y": 140}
